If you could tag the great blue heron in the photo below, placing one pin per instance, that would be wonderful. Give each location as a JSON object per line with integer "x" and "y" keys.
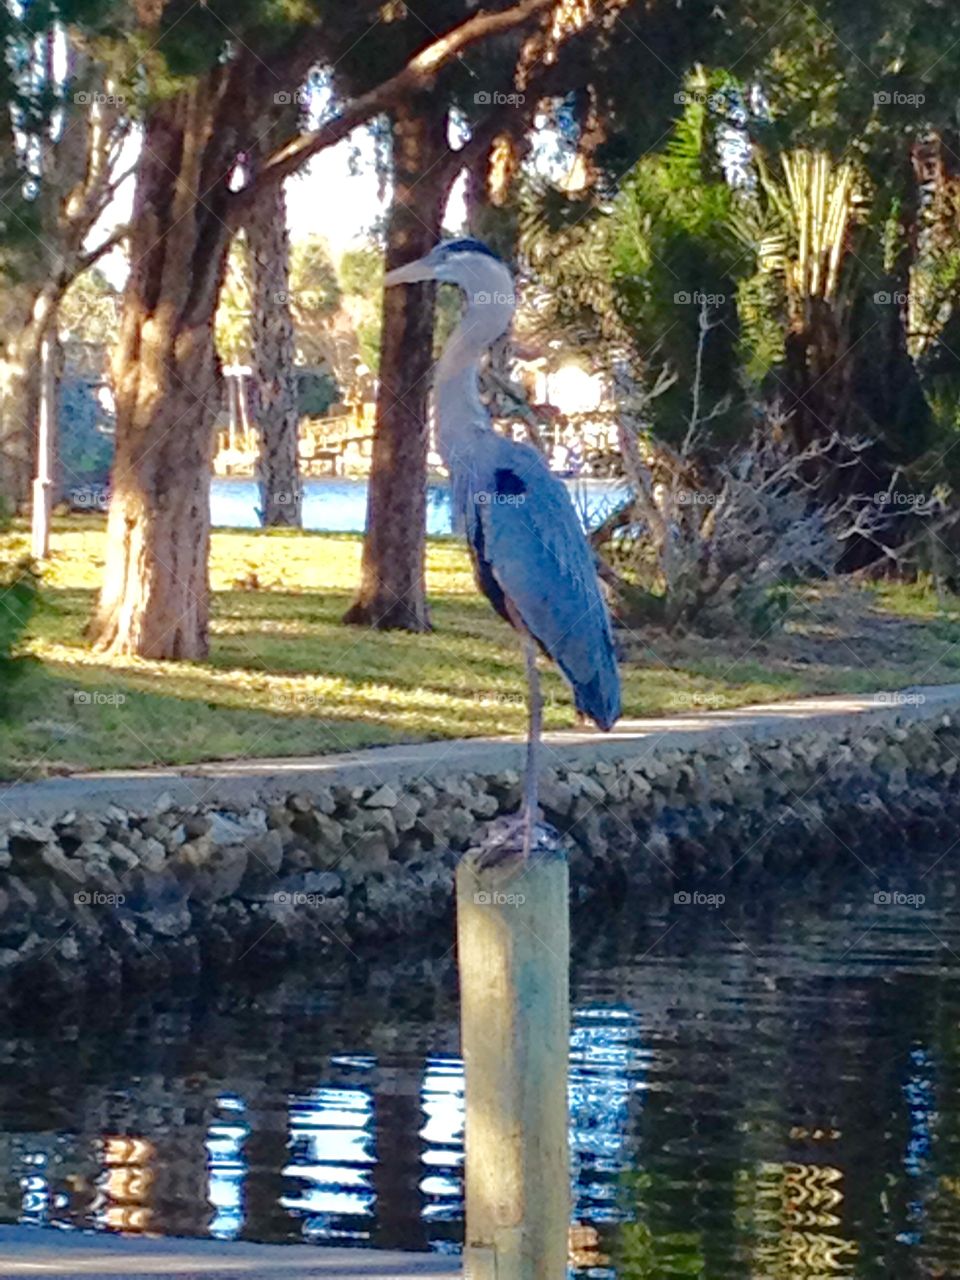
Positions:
{"x": 531, "y": 557}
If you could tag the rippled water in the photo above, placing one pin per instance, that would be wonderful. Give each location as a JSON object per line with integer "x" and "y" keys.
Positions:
{"x": 767, "y": 1088}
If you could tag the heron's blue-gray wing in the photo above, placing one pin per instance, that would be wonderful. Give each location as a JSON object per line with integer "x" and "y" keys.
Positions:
{"x": 530, "y": 550}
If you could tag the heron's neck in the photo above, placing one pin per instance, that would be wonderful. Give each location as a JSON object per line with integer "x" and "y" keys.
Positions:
{"x": 459, "y": 409}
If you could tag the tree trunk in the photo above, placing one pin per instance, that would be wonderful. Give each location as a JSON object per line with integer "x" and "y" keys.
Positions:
{"x": 155, "y": 597}
{"x": 278, "y": 417}
{"x": 19, "y": 389}
{"x": 392, "y": 590}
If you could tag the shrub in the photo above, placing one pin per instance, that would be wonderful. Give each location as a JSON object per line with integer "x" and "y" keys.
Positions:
{"x": 18, "y": 596}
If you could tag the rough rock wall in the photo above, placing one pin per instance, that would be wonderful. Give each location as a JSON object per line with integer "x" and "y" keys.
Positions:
{"x": 134, "y": 896}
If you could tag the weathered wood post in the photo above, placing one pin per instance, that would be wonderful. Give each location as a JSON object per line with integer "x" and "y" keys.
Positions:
{"x": 513, "y": 938}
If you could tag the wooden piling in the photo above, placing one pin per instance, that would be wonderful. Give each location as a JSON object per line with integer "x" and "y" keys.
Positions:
{"x": 513, "y": 940}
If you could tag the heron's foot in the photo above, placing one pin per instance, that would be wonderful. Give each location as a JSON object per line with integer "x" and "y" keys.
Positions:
{"x": 512, "y": 839}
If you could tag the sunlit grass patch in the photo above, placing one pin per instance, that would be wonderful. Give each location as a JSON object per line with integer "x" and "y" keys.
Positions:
{"x": 285, "y": 677}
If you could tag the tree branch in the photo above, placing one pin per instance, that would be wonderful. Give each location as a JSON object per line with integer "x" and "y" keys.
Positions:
{"x": 417, "y": 74}
{"x": 115, "y": 237}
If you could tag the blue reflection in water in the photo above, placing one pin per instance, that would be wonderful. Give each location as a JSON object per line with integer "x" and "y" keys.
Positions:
{"x": 332, "y": 1152}
{"x": 442, "y": 1133}
{"x": 605, "y": 1070}
{"x": 35, "y": 1190}
{"x": 226, "y": 1167}
{"x": 918, "y": 1091}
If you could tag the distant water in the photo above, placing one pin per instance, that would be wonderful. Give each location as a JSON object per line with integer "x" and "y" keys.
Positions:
{"x": 340, "y": 505}
{"x": 764, "y": 1090}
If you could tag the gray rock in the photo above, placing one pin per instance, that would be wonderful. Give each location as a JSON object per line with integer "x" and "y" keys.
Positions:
{"x": 169, "y": 921}
{"x": 173, "y": 838}
{"x": 22, "y": 897}
{"x": 152, "y": 854}
{"x": 211, "y": 874}
{"x": 371, "y": 849}
{"x": 70, "y": 873}
{"x": 233, "y": 830}
{"x": 383, "y": 798}
{"x": 82, "y": 830}
{"x": 267, "y": 849}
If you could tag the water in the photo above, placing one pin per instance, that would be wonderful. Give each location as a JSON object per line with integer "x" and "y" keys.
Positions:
{"x": 766, "y": 1090}
{"x": 340, "y": 505}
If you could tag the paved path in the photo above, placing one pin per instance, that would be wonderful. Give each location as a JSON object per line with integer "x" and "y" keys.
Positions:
{"x": 71, "y": 1255}
{"x": 253, "y": 781}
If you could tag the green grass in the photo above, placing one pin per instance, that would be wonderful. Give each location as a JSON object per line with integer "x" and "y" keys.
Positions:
{"x": 285, "y": 678}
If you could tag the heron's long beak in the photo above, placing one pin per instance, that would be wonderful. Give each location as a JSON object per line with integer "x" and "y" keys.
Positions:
{"x": 410, "y": 273}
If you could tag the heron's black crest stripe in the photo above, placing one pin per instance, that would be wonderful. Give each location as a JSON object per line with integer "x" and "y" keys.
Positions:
{"x": 507, "y": 481}
{"x": 470, "y": 246}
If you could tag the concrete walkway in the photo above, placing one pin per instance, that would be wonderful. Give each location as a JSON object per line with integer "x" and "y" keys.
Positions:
{"x": 70, "y": 1255}
{"x": 262, "y": 781}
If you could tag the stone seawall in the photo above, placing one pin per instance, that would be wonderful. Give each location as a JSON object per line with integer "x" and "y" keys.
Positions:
{"x": 116, "y": 880}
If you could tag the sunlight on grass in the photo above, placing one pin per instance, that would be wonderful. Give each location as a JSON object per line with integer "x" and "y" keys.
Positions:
{"x": 284, "y": 677}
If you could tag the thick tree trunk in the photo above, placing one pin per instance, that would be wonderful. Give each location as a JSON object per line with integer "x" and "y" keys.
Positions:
{"x": 392, "y": 590}
{"x": 155, "y": 597}
{"x": 278, "y": 417}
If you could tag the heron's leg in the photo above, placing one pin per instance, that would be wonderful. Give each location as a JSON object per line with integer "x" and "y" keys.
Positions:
{"x": 531, "y": 778}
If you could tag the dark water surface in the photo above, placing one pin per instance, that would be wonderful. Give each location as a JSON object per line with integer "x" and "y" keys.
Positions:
{"x": 764, "y": 1088}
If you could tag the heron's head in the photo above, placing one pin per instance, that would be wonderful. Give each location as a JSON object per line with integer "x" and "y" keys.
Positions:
{"x": 469, "y": 264}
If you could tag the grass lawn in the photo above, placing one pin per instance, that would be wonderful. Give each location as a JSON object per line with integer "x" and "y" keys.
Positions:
{"x": 285, "y": 678}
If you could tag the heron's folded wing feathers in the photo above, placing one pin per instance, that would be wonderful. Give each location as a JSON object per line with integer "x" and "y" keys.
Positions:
{"x": 537, "y": 552}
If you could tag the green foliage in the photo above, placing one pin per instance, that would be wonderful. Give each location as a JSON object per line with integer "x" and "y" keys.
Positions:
{"x": 636, "y": 278}
{"x": 315, "y": 291}
{"x": 232, "y": 322}
{"x": 760, "y": 611}
{"x": 316, "y": 392}
{"x": 89, "y": 311}
{"x": 19, "y": 584}
{"x": 645, "y": 1251}
{"x": 361, "y": 271}
{"x": 85, "y": 448}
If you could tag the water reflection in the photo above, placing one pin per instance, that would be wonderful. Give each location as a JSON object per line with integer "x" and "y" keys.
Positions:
{"x": 769, "y": 1092}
